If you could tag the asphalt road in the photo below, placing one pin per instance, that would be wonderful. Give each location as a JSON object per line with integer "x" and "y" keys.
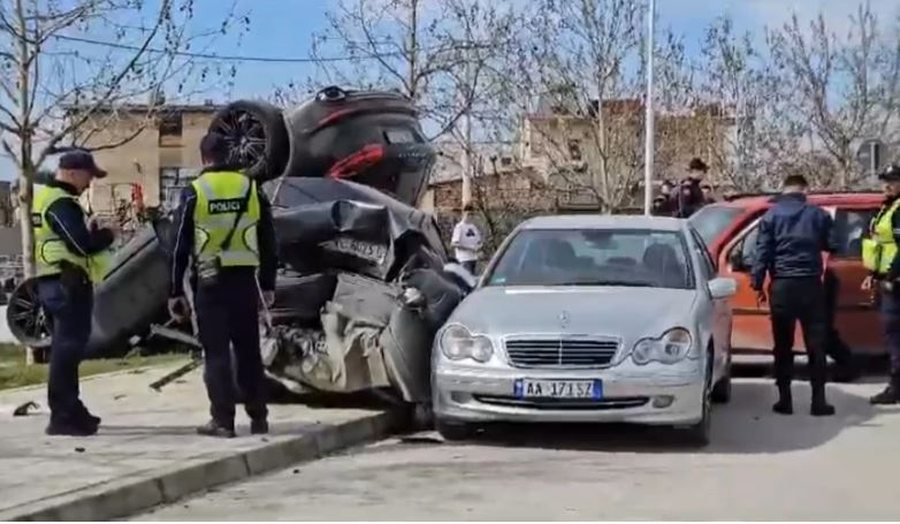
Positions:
{"x": 760, "y": 466}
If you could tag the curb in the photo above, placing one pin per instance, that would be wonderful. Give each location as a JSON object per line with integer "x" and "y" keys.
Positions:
{"x": 128, "y": 495}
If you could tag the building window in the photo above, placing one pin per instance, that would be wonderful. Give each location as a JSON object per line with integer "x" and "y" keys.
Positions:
{"x": 170, "y": 128}
{"x": 575, "y": 150}
{"x": 171, "y": 181}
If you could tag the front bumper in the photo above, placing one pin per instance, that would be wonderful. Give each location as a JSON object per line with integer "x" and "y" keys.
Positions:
{"x": 665, "y": 395}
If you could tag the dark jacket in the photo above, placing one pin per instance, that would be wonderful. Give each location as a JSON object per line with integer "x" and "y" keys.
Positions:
{"x": 67, "y": 220}
{"x": 688, "y": 198}
{"x": 184, "y": 241}
{"x": 792, "y": 236}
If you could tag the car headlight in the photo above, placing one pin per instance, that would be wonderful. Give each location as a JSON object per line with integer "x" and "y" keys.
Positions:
{"x": 672, "y": 347}
{"x": 457, "y": 343}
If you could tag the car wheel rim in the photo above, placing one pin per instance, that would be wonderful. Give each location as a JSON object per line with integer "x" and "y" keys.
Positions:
{"x": 245, "y": 135}
{"x": 26, "y": 317}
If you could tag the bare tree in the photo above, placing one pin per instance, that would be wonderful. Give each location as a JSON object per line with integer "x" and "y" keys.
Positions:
{"x": 584, "y": 62}
{"x": 739, "y": 78}
{"x": 842, "y": 89}
{"x": 437, "y": 52}
{"x": 433, "y": 51}
{"x": 70, "y": 64}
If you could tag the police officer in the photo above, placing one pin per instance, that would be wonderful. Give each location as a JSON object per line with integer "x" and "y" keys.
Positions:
{"x": 879, "y": 252}
{"x": 225, "y": 225}
{"x": 792, "y": 236}
{"x": 67, "y": 253}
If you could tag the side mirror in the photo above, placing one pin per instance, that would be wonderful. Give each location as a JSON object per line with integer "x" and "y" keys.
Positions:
{"x": 722, "y": 287}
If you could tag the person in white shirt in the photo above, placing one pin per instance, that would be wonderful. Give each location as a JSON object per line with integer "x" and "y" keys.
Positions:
{"x": 466, "y": 241}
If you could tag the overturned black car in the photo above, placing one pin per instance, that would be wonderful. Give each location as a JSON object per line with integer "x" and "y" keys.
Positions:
{"x": 364, "y": 280}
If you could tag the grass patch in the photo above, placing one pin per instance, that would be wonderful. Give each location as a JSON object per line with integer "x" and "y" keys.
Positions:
{"x": 14, "y": 373}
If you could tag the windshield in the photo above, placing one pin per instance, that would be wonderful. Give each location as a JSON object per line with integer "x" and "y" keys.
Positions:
{"x": 594, "y": 257}
{"x": 712, "y": 220}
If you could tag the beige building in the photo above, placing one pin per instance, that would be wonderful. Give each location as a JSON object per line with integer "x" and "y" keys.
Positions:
{"x": 556, "y": 161}
{"x": 159, "y": 152}
{"x": 569, "y": 146}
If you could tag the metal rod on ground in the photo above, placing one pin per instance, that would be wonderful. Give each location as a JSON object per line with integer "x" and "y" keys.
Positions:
{"x": 649, "y": 125}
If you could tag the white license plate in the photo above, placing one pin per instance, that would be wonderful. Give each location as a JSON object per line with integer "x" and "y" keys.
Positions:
{"x": 359, "y": 248}
{"x": 584, "y": 389}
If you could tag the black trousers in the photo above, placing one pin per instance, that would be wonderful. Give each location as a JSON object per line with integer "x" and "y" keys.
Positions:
{"x": 68, "y": 305}
{"x": 792, "y": 300}
{"x": 835, "y": 347}
{"x": 228, "y": 320}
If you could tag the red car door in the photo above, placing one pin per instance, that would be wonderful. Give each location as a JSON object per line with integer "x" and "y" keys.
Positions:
{"x": 856, "y": 318}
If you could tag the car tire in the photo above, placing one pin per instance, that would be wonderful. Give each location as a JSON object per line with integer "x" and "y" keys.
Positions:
{"x": 257, "y": 137}
{"x": 721, "y": 393}
{"x": 699, "y": 434}
{"x": 454, "y": 431}
{"x": 26, "y": 318}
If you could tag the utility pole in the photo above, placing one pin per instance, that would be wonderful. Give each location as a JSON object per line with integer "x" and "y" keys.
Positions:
{"x": 649, "y": 124}
{"x": 467, "y": 163}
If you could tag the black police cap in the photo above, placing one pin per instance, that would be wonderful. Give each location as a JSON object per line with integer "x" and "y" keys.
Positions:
{"x": 80, "y": 160}
{"x": 891, "y": 174}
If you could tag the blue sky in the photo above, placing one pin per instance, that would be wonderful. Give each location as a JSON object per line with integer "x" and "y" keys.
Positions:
{"x": 283, "y": 28}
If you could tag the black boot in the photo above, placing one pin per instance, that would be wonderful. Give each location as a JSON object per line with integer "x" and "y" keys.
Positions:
{"x": 890, "y": 395}
{"x": 70, "y": 426}
{"x": 215, "y": 429}
{"x": 820, "y": 407}
{"x": 785, "y": 404}
{"x": 259, "y": 426}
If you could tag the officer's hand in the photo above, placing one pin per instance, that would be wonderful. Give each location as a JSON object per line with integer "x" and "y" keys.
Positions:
{"x": 268, "y": 298}
{"x": 761, "y": 297}
{"x": 867, "y": 283}
{"x": 178, "y": 308}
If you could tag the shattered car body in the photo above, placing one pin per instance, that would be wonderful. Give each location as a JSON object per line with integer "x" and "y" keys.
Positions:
{"x": 362, "y": 292}
{"x": 362, "y": 285}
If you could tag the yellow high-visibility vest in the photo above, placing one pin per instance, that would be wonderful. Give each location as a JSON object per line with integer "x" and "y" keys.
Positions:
{"x": 50, "y": 251}
{"x": 220, "y": 196}
{"x": 879, "y": 249}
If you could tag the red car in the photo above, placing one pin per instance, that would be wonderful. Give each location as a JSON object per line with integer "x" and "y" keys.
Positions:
{"x": 730, "y": 228}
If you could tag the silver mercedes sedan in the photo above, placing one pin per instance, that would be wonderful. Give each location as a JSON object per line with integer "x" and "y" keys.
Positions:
{"x": 587, "y": 318}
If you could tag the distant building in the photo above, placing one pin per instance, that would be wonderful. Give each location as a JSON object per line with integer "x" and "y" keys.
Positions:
{"x": 554, "y": 162}
{"x": 162, "y": 157}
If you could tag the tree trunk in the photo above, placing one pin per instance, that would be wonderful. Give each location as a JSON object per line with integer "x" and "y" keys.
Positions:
{"x": 26, "y": 190}
{"x": 603, "y": 138}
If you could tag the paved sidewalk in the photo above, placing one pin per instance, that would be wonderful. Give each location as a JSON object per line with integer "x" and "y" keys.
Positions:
{"x": 147, "y": 453}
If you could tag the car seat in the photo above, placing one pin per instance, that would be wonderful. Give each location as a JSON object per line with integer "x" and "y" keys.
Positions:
{"x": 561, "y": 255}
{"x": 661, "y": 260}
